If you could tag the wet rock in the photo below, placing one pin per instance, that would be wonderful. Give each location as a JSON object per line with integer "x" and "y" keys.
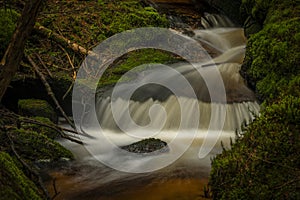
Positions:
{"x": 30, "y": 87}
{"x": 147, "y": 146}
{"x": 227, "y": 7}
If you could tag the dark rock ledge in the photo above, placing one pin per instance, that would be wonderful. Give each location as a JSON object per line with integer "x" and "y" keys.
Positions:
{"x": 150, "y": 145}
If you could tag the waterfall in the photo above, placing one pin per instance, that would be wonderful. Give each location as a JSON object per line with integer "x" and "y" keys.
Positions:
{"x": 239, "y": 108}
{"x": 203, "y": 99}
{"x": 215, "y": 20}
{"x": 235, "y": 113}
{"x": 157, "y": 112}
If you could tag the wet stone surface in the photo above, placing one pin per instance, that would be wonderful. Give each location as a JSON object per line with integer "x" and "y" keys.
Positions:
{"x": 146, "y": 146}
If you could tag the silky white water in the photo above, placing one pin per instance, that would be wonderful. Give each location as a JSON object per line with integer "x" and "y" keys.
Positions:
{"x": 190, "y": 124}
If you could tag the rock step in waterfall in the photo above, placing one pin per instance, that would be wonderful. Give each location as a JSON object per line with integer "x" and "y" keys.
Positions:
{"x": 240, "y": 106}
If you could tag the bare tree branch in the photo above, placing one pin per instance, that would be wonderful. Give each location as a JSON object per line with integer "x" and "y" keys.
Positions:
{"x": 13, "y": 55}
{"x": 49, "y": 90}
{"x": 62, "y": 40}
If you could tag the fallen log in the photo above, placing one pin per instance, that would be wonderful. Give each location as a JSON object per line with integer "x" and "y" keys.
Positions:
{"x": 62, "y": 40}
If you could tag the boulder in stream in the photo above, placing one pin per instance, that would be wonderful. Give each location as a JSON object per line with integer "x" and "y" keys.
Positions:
{"x": 147, "y": 146}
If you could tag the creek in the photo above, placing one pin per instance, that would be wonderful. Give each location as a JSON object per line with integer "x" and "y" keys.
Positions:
{"x": 180, "y": 173}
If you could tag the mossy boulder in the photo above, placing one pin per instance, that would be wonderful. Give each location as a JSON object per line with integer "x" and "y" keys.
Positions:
{"x": 272, "y": 57}
{"x": 13, "y": 182}
{"x": 37, "y": 107}
{"x": 49, "y": 132}
{"x": 131, "y": 60}
{"x": 34, "y": 146}
{"x": 264, "y": 162}
{"x": 147, "y": 146}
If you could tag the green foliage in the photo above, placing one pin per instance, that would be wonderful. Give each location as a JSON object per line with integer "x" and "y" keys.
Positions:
{"x": 49, "y": 132}
{"x": 90, "y": 22}
{"x": 34, "y": 146}
{"x": 272, "y": 57}
{"x": 129, "y": 14}
{"x": 8, "y": 21}
{"x": 264, "y": 162}
{"x": 36, "y": 107}
{"x": 132, "y": 60}
{"x": 13, "y": 183}
{"x": 257, "y": 9}
{"x": 282, "y": 10}
{"x": 30, "y": 146}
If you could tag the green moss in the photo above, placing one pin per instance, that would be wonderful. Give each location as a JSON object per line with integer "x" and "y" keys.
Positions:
{"x": 34, "y": 146}
{"x": 282, "y": 10}
{"x": 49, "y": 132}
{"x": 256, "y": 13}
{"x": 36, "y": 107}
{"x": 264, "y": 162}
{"x": 92, "y": 22}
{"x": 272, "y": 57}
{"x": 129, "y": 15}
{"x": 8, "y": 21}
{"x": 13, "y": 183}
{"x": 132, "y": 60}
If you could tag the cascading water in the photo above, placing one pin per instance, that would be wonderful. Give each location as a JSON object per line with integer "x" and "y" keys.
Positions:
{"x": 238, "y": 108}
{"x": 96, "y": 181}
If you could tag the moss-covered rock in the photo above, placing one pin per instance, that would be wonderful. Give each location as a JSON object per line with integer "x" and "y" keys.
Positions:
{"x": 264, "y": 162}
{"x": 49, "y": 132}
{"x": 134, "y": 59}
{"x": 272, "y": 57}
{"x": 37, "y": 107}
{"x": 13, "y": 182}
{"x": 33, "y": 146}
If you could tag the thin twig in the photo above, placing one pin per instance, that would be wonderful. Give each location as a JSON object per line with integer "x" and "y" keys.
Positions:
{"x": 68, "y": 91}
{"x": 287, "y": 183}
{"x": 43, "y": 64}
{"x": 49, "y": 90}
{"x": 55, "y": 190}
{"x": 274, "y": 163}
{"x": 70, "y": 61}
{"x": 56, "y": 128}
{"x": 61, "y": 39}
{"x": 74, "y": 71}
{"x": 53, "y": 127}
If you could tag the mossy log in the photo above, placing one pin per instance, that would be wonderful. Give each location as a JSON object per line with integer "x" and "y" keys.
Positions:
{"x": 62, "y": 40}
{"x": 13, "y": 182}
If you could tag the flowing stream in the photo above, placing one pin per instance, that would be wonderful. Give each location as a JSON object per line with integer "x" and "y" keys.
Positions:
{"x": 184, "y": 178}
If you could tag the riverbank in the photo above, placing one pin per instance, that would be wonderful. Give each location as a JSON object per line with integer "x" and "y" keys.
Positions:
{"x": 264, "y": 161}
